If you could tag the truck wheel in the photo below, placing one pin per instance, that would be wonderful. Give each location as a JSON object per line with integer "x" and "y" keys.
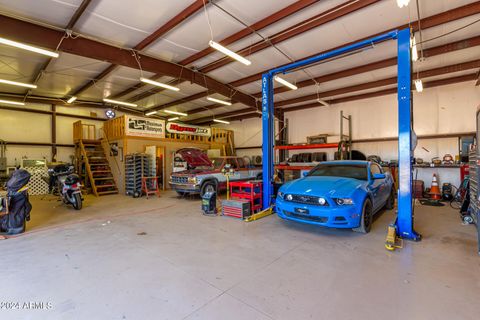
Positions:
{"x": 366, "y": 218}
{"x": 208, "y": 186}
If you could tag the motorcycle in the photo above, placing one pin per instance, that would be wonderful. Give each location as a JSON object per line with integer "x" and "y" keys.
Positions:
{"x": 66, "y": 184}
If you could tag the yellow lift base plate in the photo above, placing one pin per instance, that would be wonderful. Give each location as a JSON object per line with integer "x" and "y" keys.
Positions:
{"x": 259, "y": 215}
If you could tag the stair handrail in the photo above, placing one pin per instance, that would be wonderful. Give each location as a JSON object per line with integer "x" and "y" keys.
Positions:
{"x": 108, "y": 142}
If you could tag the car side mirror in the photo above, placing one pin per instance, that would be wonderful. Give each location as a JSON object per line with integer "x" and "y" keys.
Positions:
{"x": 304, "y": 174}
{"x": 379, "y": 176}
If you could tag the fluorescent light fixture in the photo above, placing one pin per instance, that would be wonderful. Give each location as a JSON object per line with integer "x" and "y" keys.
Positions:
{"x": 227, "y": 103}
{"x": 402, "y": 3}
{"x": 323, "y": 102}
{"x": 175, "y": 112}
{"x": 128, "y": 104}
{"x": 173, "y": 119}
{"x": 413, "y": 45}
{"x": 72, "y": 98}
{"x": 159, "y": 84}
{"x": 221, "y": 121}
{"x": 28, "y": 47}
{"x": 20, "y": 84}
{"x": 12, "y": 102}
{"x": 285, "y": 83}
{"x": 419, "y": 85}
{"x": 229, "y": 53}
{"x": 150, "y": 113}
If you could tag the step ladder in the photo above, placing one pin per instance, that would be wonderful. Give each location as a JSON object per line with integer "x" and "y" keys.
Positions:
{"x": 94, "y": 167}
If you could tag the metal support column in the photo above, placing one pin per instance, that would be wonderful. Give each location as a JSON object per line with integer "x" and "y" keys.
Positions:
{"x": 268, "y": 134}
{"x": 406, "y": 145}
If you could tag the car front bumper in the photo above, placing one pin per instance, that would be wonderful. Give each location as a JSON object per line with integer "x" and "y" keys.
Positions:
{"x": 187, "y": 188}
{"x": 347, "y": 216}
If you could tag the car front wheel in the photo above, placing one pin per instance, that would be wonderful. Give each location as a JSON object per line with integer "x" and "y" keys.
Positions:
{"x": 366, "y": 218}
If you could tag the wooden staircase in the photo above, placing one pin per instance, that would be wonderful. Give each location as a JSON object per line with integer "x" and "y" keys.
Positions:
{"x": 94, "y": 166}
{"x": 91, "y": 161}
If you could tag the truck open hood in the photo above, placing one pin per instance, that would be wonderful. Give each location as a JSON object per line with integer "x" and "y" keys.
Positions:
{"x": 195, "y": 157}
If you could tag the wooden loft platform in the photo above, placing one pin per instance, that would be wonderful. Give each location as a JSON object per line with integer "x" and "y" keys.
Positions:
{"x": 115, "y": 129}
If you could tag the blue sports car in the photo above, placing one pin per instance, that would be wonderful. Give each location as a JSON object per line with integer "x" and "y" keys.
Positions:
{"x": 337, "y": 194}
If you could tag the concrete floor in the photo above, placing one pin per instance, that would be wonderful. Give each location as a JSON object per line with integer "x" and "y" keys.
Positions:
{"x": 124, "y": 258}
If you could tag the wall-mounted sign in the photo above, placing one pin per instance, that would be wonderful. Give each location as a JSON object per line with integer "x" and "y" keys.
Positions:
{"x": 174, "y": 127}
{"x": 144, "y": 127}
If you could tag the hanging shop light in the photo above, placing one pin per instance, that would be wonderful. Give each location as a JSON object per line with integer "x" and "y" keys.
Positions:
{"x": 128, "y": 104}
{"x": 402, "y": 3}
{"x": 221, "y": 121}
{"x": 323, "y": 102}
{"x": 150, "y": 113}
{"x": 18, "y": 84}
{"x": 176, "y": 113}
{"x": 12, "y": 102}
{"x": 28, "y": 47}
{"x": 72, "y": 99}
{"x": 159, "y": 84}
{"x": 229, "y": 53}
{"x": 285, "y": 83}
{"x": 419, "y": 85}
{"x": 173, "y": 119}
{"x": 413, "y": 46}
{"x": 227, "y": 103}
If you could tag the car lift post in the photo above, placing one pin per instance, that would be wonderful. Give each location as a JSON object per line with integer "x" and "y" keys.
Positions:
{"x": 406, "y": 145}
{"x": 405, "y": 209}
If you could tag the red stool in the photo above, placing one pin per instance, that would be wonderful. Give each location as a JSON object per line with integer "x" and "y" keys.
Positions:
{"x": 150, "y": 186}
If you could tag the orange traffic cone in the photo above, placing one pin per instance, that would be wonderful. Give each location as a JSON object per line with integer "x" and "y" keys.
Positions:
{"x": 435, "y": 190}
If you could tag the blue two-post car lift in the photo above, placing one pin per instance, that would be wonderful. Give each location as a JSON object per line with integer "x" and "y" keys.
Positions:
{"x": 404, "y": 223}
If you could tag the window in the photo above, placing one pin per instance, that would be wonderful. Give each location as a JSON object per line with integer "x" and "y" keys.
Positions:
{"x": 232, "y": 162}
{"x": 241, "y": 163}
{"x": 343, "y": 171}
{"x": 375, "y": 168}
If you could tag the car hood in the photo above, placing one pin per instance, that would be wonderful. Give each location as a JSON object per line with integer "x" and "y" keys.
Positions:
{"x": 323, "y": 186}
{"x": 195, "y": 157}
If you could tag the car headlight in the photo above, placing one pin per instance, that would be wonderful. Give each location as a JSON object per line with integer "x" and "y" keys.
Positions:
{"x": 322, "y": 201}
{"x": 192, "y": 180}
{"x": 344, "y": 201}
{"x": 289, "y": 197}
{"x": 280, "y": 194}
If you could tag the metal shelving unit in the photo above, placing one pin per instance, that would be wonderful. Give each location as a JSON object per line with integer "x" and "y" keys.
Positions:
{"x": 137, "y": 166}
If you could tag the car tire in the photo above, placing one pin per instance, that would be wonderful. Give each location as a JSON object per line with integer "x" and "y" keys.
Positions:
{"x": 208, "y": 186}
{"x": 181, "y": 193}
{"x": 390, "y": 201}
{"x": 366, "y": 219}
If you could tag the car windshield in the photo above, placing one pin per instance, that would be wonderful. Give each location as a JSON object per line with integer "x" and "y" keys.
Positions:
{"x": 217, "y": 163}
{"x": 357, "y": 171}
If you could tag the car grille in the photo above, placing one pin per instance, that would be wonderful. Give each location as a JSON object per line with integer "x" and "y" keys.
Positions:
{"x": 176, "y": 179}
{"x": 306, "y": 200}
{"x": 305, "y": 217}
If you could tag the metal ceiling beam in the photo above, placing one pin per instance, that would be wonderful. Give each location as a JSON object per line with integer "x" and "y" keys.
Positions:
{"x": 259, "y": 25}
{"x": 366, "y": 86}
{"x": 172, "y": 23}
{"x": 28, "y": 32}
{"x": 73, "y": 20}
{"x": 430, "y": 52}
{"x": 429, "y": 84}
{"x": 384, "y": 82}
{"x": 332, "y": 14}
{"x": 429, "y": 22}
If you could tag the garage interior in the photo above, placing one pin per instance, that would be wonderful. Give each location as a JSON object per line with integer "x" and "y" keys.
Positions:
{"x": 196, "y": 159}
